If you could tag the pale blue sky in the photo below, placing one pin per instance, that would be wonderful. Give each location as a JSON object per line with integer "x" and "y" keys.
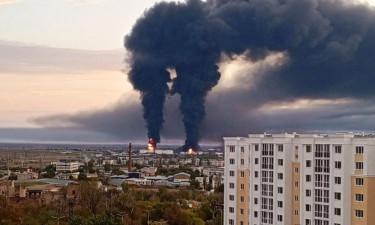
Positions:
{"x": 78, "y": 24}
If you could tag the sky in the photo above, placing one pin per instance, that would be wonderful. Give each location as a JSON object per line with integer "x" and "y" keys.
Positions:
{"x": 63, "y": 69}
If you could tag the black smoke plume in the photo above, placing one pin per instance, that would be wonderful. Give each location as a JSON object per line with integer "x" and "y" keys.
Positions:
{"x": 329, "y": 46}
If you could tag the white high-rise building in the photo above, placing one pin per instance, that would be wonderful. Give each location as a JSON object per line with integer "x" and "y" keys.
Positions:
{"x": 300, "y": 179}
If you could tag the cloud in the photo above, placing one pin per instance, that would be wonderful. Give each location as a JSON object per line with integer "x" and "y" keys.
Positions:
{"x": 8, "y": 2}
{"x": 30, "y": 59}
{"x": 87, "y": 2}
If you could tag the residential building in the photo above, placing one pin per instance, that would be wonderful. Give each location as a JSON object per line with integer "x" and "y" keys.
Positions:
{"x": 278, "y": 179}
{"x": 63, "y": 166}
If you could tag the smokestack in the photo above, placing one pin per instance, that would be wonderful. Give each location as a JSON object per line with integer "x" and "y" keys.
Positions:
{"x": 130, "y": 161}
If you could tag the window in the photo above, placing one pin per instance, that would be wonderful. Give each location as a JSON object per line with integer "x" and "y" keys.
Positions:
{"x": 338, "y": 149}
{"x": 296, "y": 184}
{"x": 255, "y": 187}
{"x": 279, "y": 204}
{"x": 255, "y": 201}
{"x": 242, "y": 149}
{"x": 337, "y": 211}
{"x": 242, "y": 199}
{"x": 231, "y": 161}
{"x": 231, "y": 148}
{"x": 337, "y": 196}
{"x": 296, "y": 170}
{"x": 242, "y": 174}
{"x": 308, "y": 207}
{"x": 231, "y": 185}
{"x": 256, "y": 174}
{"x": 256, "y": 161}
{"x": 256, "y": 147}
{"x": 280, "y": 190}
{"x": 308, "y": 193}
{"x": 359, "y": 150}
{"x": 308, "y": 148}
{"x": 242, "y": 186}
{"x": 255, "y": 214}
{"x": 308, "y": 163}
{"x": 280, "y": 176}
{"x": 280, "y": 148}
{"x": 231, "y": 197}
{"x": 231, "y": 209}
{"x": 241, "y": 223}
{"x": 338, "y": 165}
{"x": 337, "y": 180}
{"x": 359, "y": 197}
{"x": 359, "y": 213}
{"x": 241, "y": 211}
{"x": 296, "y": 198}
{"x": 280, "y": 162}
{"x": 308, "y": 178}
{"x": 359, "y": 181}
{"x": 231, "y": 173}
{"x": 231, "y": 222}
{"x": 296, "y": 212}
{"x": 280, "y": 218}
{"x": 242, "y": 162}
{"x": 359, "y": 165}
{"x": 308, "y": 222}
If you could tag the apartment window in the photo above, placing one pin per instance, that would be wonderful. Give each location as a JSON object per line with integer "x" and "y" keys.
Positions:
{"x": 307, "y": 222}
{"x": 231, "y": 222}
{"x": 359, "y": 181}
{"x": 231, "y": 161}
{"x": 308, "y": 178}
{"x": 256, "y": 161}
{"x": 231, "y": 149}
{"x": 231, "y": 185}
{"x": 231, "y": 173}
{"x": 296, "y": 184}
{"x": 242, "y": 149}
{"x": 255, "y": 187}
{"x": 280, "y": 190}
{"x": 241, "y": 211}
{"x": 308, "y": 163}
{"x": 280, "y": 162}
{"x": 242, "y": 174}
{"x": 359, "y": 213}
{"x": 308, "y": 207}
{"x": 337, "y": 180}
{"x": 280, "y": 218}
{"x": 242, "y": 186}
{"x": 337, "y": 211}
{"x": 308, "y": 193}
{"x": 231, "y": 209}
{"x": 279, "y": 204}
{"x": 256, "y": 148}
{"x": 308, "y": 148}
{"x": 242, "y": 199}
{"x": 359, "y": 197}
{"x": 280, "y": 176}
{"x": 337, "y": 196}
{"x": 255, "y": 214}
{"x": 338, "y": 165}
{"x": 296, "y": 198}
{"x": 359, "y": 150}
{"x": 241, "y": 223}
{"x": 231, "y": 197}
{"x": 280, "y": 148}
{"x": 338, "y": 149}
{"x": 296, "y": 170}
{"x": 296, "y": 212}
{"x": 256, "y": 174}
{"x": 359, "y": 165}
{"x": 255, "y": 201}
{"x": 242, "y": 162}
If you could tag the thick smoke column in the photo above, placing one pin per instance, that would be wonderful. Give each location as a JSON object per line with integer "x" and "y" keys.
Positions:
{"x": 328, "y": 44}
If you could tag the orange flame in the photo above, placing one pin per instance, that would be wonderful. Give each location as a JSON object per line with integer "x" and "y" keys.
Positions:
{"x": 151, "y": 145}
{"x": 190, "y": 151}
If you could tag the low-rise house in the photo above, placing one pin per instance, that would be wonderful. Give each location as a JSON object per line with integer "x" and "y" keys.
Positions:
{"x": 181, "y": 177}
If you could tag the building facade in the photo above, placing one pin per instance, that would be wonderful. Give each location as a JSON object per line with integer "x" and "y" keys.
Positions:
{"x": 300, "y": 179}
{"x": 64, "y": 166}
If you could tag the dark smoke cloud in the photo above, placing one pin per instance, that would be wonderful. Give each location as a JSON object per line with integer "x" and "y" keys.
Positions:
{"x": 330, "y": 47}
